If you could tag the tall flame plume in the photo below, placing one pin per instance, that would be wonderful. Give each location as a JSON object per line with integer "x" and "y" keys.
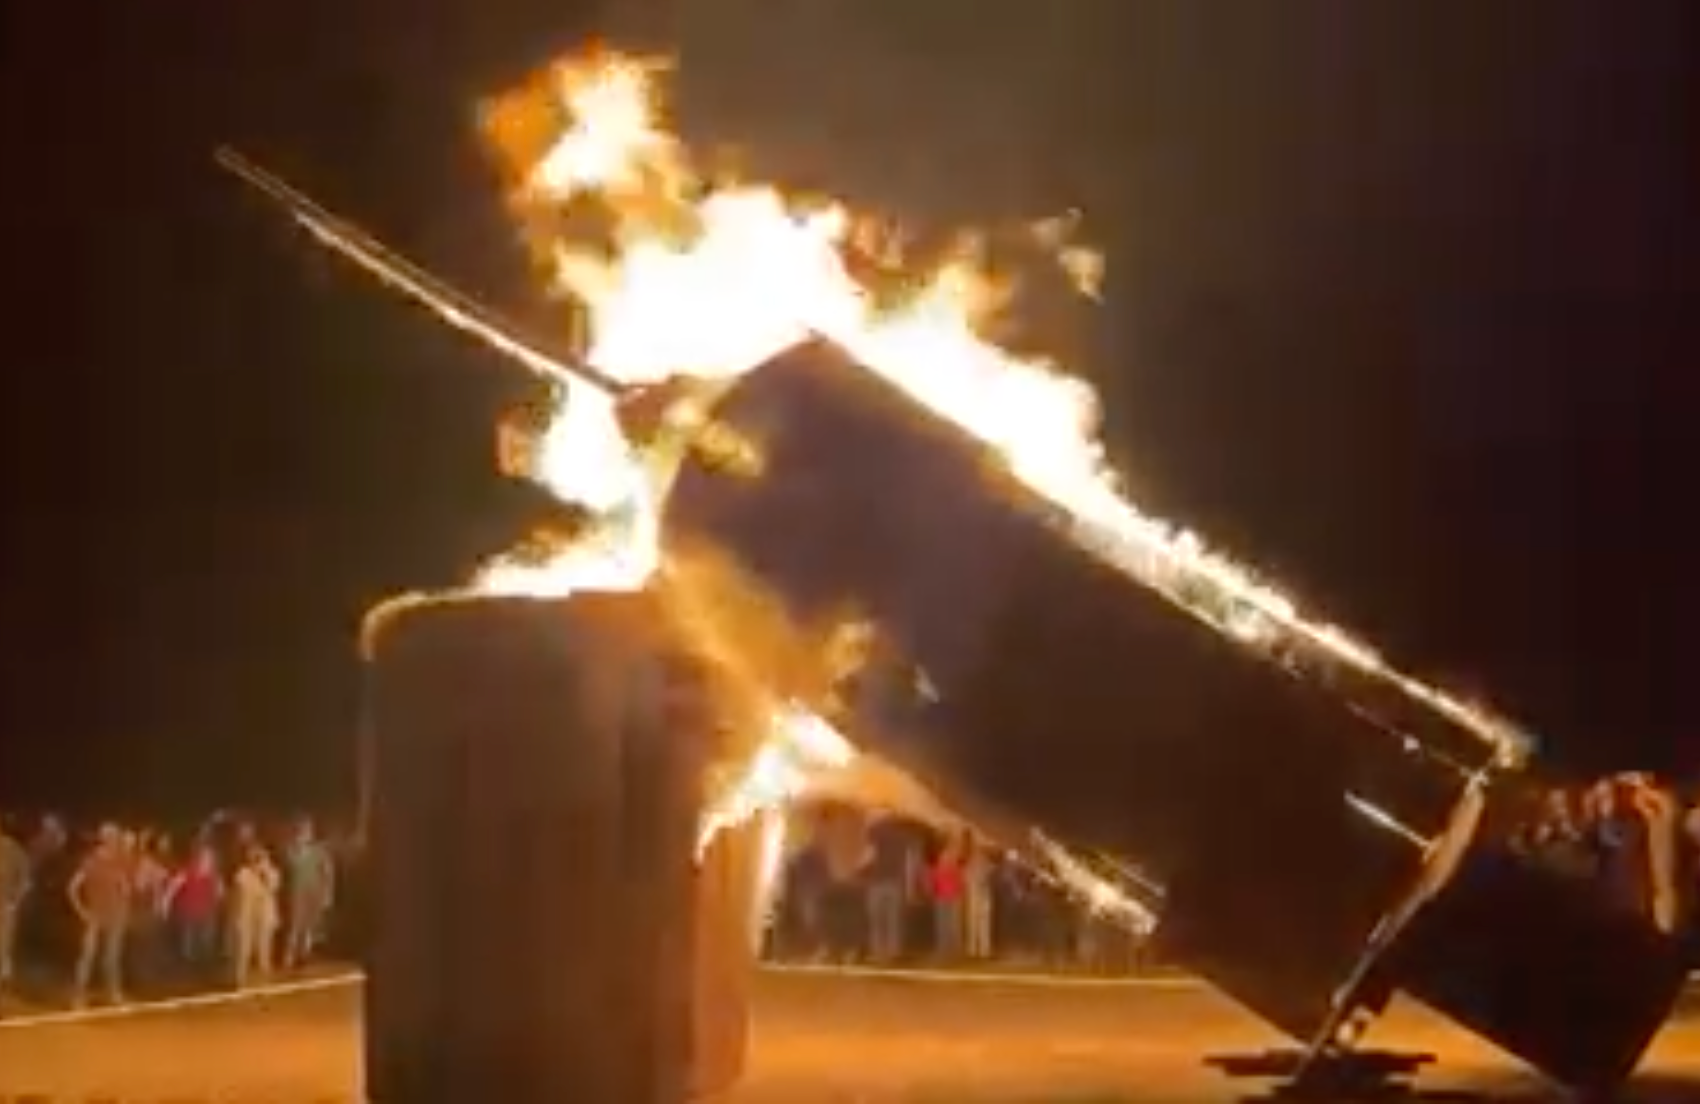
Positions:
{"x": 696, "y": 278}
{"x": 676, "y": 276}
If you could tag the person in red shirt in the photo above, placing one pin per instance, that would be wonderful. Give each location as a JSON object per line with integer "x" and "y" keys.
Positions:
{"x": 947, "y": 885}
{"x": 194, "y": 899}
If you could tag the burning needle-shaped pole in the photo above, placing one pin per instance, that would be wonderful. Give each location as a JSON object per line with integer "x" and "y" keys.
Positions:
{"x": 457, "y": 309}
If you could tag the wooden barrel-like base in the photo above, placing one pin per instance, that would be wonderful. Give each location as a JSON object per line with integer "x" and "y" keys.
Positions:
{"x": 533, "y": 810}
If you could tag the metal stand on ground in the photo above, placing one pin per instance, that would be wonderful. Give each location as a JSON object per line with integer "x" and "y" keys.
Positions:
{"x": 1336, "y": 1077}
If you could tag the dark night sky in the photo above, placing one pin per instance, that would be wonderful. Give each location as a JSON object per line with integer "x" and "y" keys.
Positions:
{"x": 1399, "y": 309}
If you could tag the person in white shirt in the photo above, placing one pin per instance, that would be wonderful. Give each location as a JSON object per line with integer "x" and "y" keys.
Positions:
{"x": 149, "y": 876}
{"x": 310, "y": 887}
{"x": 254, "y": 916}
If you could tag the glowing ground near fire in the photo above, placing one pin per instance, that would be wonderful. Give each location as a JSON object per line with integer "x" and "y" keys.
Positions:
{"x": 673, "y": 276}
{"x": 817, "y": 1040}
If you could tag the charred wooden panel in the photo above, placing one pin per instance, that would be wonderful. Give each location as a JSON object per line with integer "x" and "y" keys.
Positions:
{"x": 1069, "y": 694}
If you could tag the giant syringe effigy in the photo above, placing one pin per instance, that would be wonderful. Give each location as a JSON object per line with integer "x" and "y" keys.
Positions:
{"x": 838, "y": 454}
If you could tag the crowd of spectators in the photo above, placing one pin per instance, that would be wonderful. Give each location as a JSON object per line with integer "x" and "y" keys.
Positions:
{"x": 884, "y": 890}
{"x": 118, "y": 910}
{"x": 1638, "y": 840}
{"x": 121, "y": 910}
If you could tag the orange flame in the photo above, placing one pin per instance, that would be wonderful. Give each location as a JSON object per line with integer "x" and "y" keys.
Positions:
{"x": 674, "y": 275}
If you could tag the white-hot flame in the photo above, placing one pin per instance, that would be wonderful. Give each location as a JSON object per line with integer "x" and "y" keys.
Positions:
{"x": 799, "y": 747}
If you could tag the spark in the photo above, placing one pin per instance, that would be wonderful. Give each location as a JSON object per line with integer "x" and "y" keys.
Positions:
{"x": 1097, "y": 894}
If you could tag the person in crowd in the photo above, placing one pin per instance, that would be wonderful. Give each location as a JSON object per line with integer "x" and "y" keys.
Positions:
{"x": 49, "y": 929}
{"x": 15, "y": 880}
{"x": 148, "y": 951}
{"x": 310, "y": 883}
{"x": 1619, "y": 841}
{"x": 1688, "y": 873}
{"x": 1661, "y": 827}
{"x": 1013, "y": 907}
{"x": 1690, "y": 827}
{"x": 253, "y": 918}
{"x": 1050, "y": 915}
{"x": 347, "y": 931}
{"x": 1558, "y": 840}
{"x": 918, "y": 934}
{"x": 805, "y": 889}
{"x": 848, "y": 854}
{"x": 194, "y": 898}
{"x": 889, "y": 879}
{"x": 978, "y": 872}
{"x": 235, "y": 838}
{"x": 100, "y": 895}
{"x": 946, "y": 886}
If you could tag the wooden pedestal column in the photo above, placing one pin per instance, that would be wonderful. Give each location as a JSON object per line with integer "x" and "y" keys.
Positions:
{"x": 725, "y": 937}
{"x": 533, "y": 801}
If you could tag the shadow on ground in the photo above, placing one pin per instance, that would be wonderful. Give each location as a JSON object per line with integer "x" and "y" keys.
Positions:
{"x": 1652, "y": 1087}
{"x": 1647, "y": 1089}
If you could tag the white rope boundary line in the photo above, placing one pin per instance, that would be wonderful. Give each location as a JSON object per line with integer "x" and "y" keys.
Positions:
{"x": 180, "y": 1004}
{"x": 1036, "y": 979}
{"x": 355, "y": 977}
